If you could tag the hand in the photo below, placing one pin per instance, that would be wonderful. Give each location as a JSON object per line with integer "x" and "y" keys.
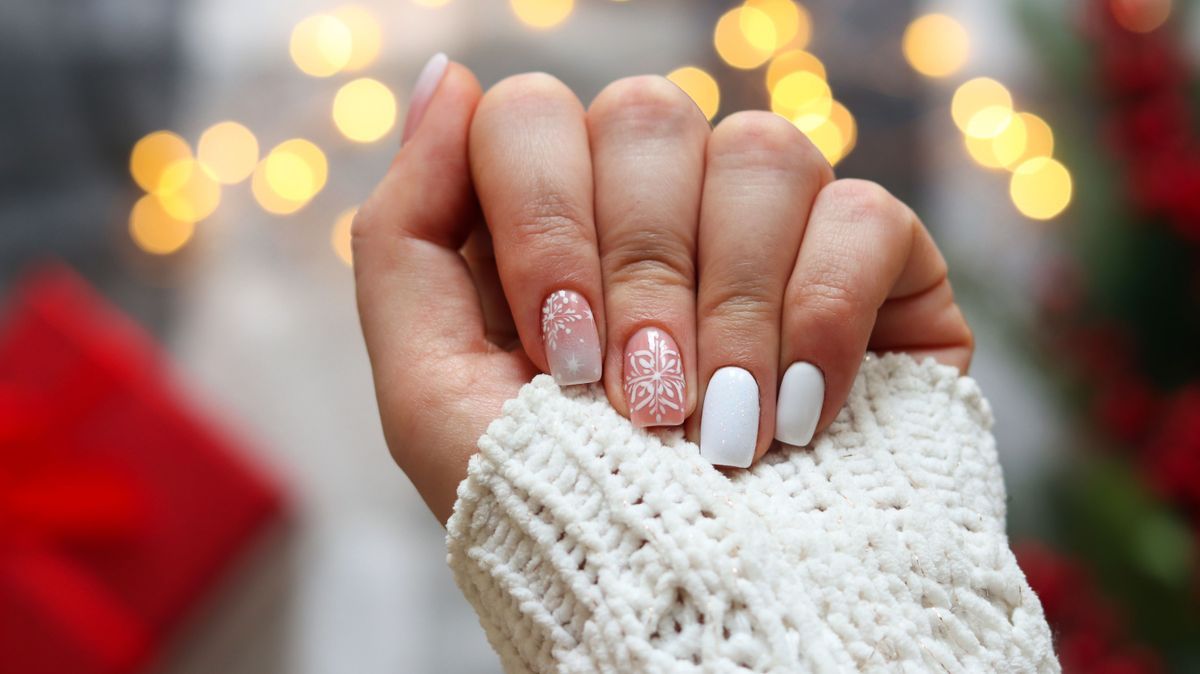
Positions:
{"x": 688, "y": 268}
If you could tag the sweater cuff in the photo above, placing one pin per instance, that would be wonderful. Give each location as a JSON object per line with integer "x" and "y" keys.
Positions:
{"x": 585, "y": 544}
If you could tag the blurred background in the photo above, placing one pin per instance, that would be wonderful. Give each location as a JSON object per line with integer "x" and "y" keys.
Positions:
{"x": 192, "y": 473}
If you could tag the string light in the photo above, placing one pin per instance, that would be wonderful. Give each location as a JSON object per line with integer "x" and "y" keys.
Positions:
{"x": 321, "y": 45}
{"x": 365, "y": 36}
{"x": 989, "y": 122}
{"x": 187, "y": 191}
{"x": 153, "y": 154}
{"x": 792, "y": 61}
{"x": 744, "y": 37}
{"x": 1040, "y": 188}
{"x": 542, "y": 13}
{"x": 364, "y": 110}
{"x": 785, "y": 20}
{"x": 1039, "y": 139}
{"x": 154, "y": 230}
{"x": 936, "y": 45}
{"x": 289, "y": 177}
{"x": 700, "y": 86}
{"x": 801, "y": 94}
{"x": 974, "y": 95}
{"x": 339, "y": 238}
{"x": 844, "y": 121}
{"x": 1002, "y": 149}
{"x": 228, "y": 151}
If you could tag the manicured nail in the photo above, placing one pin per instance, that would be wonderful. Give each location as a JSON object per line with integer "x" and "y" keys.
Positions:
{"x": 422, "y": 93}
{"x": 729, "y": 426}
{"x": 800, "y": 398}
{"x": 654, "y": 386}
{"x": 571, "y": 339}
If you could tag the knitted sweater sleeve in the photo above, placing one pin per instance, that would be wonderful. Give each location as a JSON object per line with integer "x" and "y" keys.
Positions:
{"x": 586, "y": 545}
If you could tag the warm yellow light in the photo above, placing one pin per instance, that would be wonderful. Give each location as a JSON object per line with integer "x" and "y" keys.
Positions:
{"x": 1040, "y": 188}
{"x": 1002, "y": 149}
{"x": 321, "y": 45}
{"x": 825, "y": 135}
{"x": 700, "y": 86}
{"x": 290, "y": 176}
{"x": 989, "y": 122}
{"x": 844, "y": 121}
{"x": 784, "y": 16}
{"x": 936, "y": 45}
{"x": 154, "y": 230}
{"x": 187, "y": 191}
{"x": 1039, "y": 139}
{"x": 153, "y": 154}
{"x": 793, "y": 61}
{"x": 975, "y": 95}
{"x": 542, "y": 13}
{"x": 744, "y": 37}
{"x": 365, "y": 35}
{"x": 339, "y": 238}
{"x": 801, "y": 94}
{"x": 229, "y": 151}
{"x": 364, "y": 110}
{"x": 1141, "y": 16}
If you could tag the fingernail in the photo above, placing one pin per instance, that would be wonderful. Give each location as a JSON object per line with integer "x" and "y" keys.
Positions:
{"x": 654, "y": 386}
{"x": 571, "y": 339}
{"x": 800, "y": 398}
{"x": 422, "y": 93}
{"x": 729, "y": 425}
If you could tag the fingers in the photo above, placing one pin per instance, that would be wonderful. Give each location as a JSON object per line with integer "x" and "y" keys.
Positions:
{"x": 533, "y": 174}
{"x": 762, "y": 176}
{"x": 868, "y": 274}
{"x": 647, "y": 143}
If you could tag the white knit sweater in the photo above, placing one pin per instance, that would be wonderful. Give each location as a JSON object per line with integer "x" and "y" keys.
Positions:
{"x": 586, "y": 545}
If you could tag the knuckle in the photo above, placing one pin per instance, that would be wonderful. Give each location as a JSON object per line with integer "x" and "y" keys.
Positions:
{"x": 648, "y": 102}
{"x": 652, "y": 256}
{"x": 529, "y": 93}
{"x": 830, "y": 303}
{"x": 756, "y": 138}
{"x": 865, "y": 201}
{"x": 740, "y": 303}
{"x": 548, "y": 222}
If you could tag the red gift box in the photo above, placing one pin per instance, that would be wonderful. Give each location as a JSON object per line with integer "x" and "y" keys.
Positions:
{"x": 119, "y": 507}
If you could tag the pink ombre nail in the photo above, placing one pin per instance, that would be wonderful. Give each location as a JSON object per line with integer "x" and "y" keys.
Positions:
{"x": 654, "y": 385}
{"x": 422, "y": 93}
{"x": 571, "y": 339}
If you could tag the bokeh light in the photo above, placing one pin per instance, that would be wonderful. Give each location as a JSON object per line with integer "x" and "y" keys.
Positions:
{"x": 785, "y": 20}
{"x": 339, "y": 238}
{"x": 936, "y": 45}
{"x": 321, "y": 45}
{"x": 701, "y": 86}
{"x": 1040, "y": 188}
{"x": 289, "y": 177}
{"x": 187, "y": 191}
{"x": 989, "y": 122}
{"x": 793, "y": 61}
{"x": 153, "y": 154}
{"x": 542, "y": 13}
{"x": 1141, "y": 16}
{"x": 229, "y": 151}
{"x": 974, "y": 95}
{"x": 364, "y": 110}
{"x": 801, "y": 94}
{"x": 744, "y": 37}
{"x": 825, "y": 135}
{"x": 1002, "y": 149}
{"x": 1039, "y": 139}
{"x": 844, "y": 121}
{"x": 154, "y": 230}
{"x": 366, "y": 38}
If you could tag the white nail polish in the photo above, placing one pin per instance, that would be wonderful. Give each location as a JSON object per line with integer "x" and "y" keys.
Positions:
{"x": 729, "y": 425}
{"x": 801, "y": 395}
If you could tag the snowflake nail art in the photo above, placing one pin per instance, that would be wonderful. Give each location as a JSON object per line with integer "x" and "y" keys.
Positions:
{"x": 654, "y": 382}
{"x": 570, "y": 338}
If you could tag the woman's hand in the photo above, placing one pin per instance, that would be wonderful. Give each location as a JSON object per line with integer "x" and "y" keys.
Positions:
{"x": 720, "y": 270}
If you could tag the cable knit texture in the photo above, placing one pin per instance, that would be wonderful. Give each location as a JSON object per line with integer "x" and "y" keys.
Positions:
{"x": 587, "y": 545}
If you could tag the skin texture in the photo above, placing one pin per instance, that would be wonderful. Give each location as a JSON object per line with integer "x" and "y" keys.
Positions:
{"x": 737, "y": 241}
